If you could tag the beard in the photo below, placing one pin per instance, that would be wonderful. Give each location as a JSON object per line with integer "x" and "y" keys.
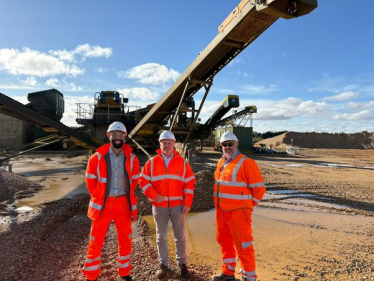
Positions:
{"x": 117, "y": 143}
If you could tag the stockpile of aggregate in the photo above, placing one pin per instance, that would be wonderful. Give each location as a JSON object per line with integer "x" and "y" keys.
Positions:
{"x": 203, "y": 200}
{"x": 13, "y": 186}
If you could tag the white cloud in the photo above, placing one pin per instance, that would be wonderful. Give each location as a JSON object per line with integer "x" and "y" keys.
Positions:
{"x": 288, "y": 108}
{"x": 361, "y": 105}
{"x": 29, "y": 62}
{"x": 30, "y": 81}
{"x": 139, "y": 94}
{"x": 100, "y": 70}
{"x": 258, "y": 89}
{"x": 53, "y": 82}
{"x": 55, "y": 62}
{"x": 88, "y": 51}
{"x": 73, "y": 88}
{"x": 361, "y": 115}
{"x": 343, "y": 96}
{"x": 151, "y": 73}
{"x": 85, "y": 50}
{"x": 235, "y": 61}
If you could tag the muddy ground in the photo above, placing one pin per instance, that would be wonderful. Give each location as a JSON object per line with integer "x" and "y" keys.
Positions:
{"x": 322, "y": 231}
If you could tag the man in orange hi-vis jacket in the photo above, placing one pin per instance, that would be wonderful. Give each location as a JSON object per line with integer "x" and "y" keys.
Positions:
{"x": 169, "y": 183}
{"x": 238, "y": 188}
{"x": 111, "y": 177}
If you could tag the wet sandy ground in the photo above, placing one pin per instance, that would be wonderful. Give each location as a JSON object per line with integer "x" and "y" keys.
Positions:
{"x": 315, "y": 223}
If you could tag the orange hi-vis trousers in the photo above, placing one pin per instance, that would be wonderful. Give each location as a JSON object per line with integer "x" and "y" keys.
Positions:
{"x": 117, "y": 210}
{"x": 234, "y": 231}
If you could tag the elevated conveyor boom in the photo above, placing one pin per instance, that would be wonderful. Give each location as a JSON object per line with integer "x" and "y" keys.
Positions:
{"x": 248, "y": 21}
{"x": 17, "y": 110}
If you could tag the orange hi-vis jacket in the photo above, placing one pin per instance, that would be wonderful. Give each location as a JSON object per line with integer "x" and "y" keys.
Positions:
{"x": 176, "y": 183}
{"x": 98, "y": 181}
{"x": 238, "y": 185}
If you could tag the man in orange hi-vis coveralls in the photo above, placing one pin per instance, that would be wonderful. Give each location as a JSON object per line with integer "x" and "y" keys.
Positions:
{"x": 238, "y": 188}
{"x": 169, "y": 183}
{"x": 111, "y": 177}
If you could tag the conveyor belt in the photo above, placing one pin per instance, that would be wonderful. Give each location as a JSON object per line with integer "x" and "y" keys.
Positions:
{"x": 249, "y": 22}
{"x": 17, "y": 110}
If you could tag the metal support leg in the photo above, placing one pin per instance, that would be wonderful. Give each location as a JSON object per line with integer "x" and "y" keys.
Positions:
{"x": 207, "y": 86}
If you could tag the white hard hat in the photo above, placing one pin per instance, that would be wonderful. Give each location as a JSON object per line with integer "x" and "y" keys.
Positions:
{"x": 117, "y": 126}
{"x": 166, "y": 135}
{"x": 228, "y": 136}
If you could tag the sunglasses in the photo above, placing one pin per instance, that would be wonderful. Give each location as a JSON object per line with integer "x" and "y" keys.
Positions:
{"x": 229, "y": 144}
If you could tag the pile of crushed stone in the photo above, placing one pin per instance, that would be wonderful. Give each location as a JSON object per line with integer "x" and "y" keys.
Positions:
{"x": 13, "y": 187}
{"x": 203, "y": 200}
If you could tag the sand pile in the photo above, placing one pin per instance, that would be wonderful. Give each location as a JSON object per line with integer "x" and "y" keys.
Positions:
{"x": 203, "y": 199}
{"x": 362, "y": 140}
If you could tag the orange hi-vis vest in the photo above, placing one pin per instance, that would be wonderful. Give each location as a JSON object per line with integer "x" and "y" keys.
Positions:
{"x": 98, "y": 179}
{"x": 176, "y": 183}
{"x": 238, "y": 185}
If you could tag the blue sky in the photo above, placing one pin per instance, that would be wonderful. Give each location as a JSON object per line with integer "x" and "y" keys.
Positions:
{"x": 313, "y": 73}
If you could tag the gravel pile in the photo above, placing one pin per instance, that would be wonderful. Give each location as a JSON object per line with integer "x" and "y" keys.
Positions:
{"x": 13, "y": 187}
{"x": 203, "y": 199}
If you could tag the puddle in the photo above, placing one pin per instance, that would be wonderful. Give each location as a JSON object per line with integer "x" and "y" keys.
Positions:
{"x": 24, "y": 209}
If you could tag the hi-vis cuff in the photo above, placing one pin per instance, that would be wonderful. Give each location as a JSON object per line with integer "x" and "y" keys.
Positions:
{"x": 95, "y": 206}
{"x": 89, "y": 267}
{"x": 249, "y": 275}
{"x": 124, "y": 265}
{"x": 123, "y": 258}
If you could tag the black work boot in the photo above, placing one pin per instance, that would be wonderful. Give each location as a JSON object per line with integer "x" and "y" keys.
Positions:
{"x": 183, "y": 270}
{"x": 162, "y": 270}
{"x": 223, "y": 277}
{"x": 126, "y": 278}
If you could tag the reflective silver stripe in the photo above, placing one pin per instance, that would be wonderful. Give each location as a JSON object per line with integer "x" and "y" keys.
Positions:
{"x": 132, "y": 161}
{"x": 103, "y": 180}
{"x": 91, "y": 268}
{"x": 248, "y": 273}
{"x": 164, "y": 177}
{"x": 90, "y": 176}
{"x": 237, "y": 167}
{"x": 92, "y": 238}
{"x": 233, "y": 196}
{"x": 258, "y": 184}
{"x": 120, "y": 265}
{"x": 251, "y": 279}
{"x": 230, "y": 267}
{"x": 232, "y": 183}
{"x": 256, "y": 200}
{"x": 145, "y": 176}
{"x": 92, "y": 260}
{"x": 229, "y": 260}
{"x": 144, "y": 188}
{"x": 176, "y": 198}
{"x": 95, "y": 206}
{"x": 122, "y": 258}
{"x": 135, "y": 177}
{"x": 188, "y": 179}
{"x": 188, "y": 191}
{"x": 134, "y": 207}
{"x": 246, "y": 245}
